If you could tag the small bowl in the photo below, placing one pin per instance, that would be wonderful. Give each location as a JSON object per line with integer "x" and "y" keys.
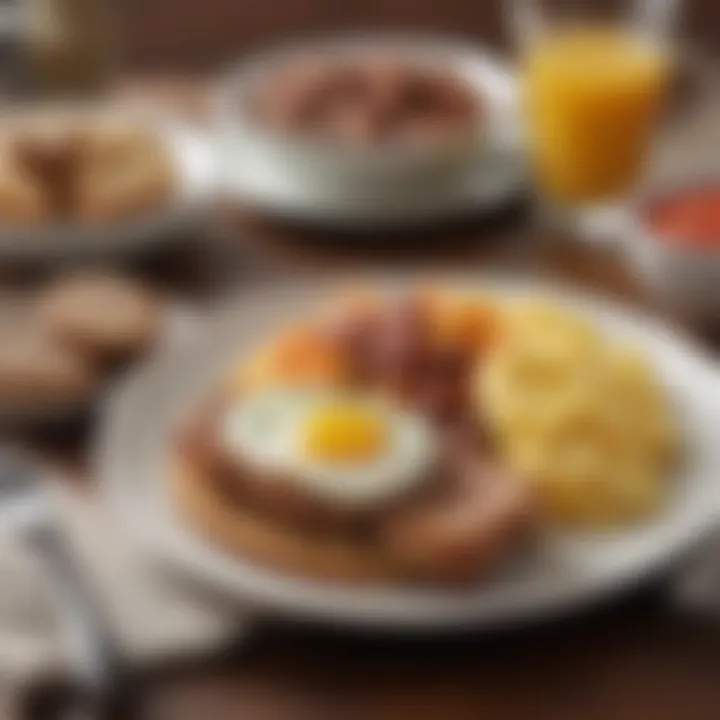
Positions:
{"x": 383, "y": 171}
{"x": 685, "y": 277}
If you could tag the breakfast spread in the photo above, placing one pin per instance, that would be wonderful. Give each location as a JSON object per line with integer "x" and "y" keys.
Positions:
{"x": 365, "y": 99}
{"x": 422, "y": 437}
{"x": 429, "y": 436}
{"x": 77, "y": 170}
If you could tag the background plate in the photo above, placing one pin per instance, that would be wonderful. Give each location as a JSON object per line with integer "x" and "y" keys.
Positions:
{"x": 497, "y": 175}
{"x": 195, "y": 172}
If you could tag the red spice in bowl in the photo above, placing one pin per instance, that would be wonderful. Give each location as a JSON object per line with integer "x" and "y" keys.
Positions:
{"x": 689, "y": 218}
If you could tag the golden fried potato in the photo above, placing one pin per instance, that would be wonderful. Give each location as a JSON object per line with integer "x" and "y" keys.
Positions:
{"x": 22, "y": 201}
{"x": 582, "y": 416}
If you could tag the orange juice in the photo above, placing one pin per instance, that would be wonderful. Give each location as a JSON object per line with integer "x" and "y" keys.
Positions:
{"x": 592, "y": 98}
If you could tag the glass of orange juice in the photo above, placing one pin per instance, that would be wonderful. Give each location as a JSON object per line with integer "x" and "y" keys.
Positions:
{"x": 593, "y": 86}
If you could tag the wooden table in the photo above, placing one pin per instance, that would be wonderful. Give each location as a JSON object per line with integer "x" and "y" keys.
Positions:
{"x": 638, "y": 658}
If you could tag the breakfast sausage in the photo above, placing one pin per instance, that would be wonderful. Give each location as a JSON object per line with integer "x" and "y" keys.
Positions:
{"x": 459, "y": 535}
{"x": 243, "y": 531}
{"x": 273, "y": 493}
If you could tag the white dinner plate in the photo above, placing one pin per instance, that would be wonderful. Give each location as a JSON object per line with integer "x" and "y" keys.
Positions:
{"x": 563, "y": 570}
{"x": 195, "y": 175}
{"x": 282, "y": 178}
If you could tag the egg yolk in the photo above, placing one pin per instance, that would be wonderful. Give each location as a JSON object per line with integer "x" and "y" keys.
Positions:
{"x": 344, "y": 433}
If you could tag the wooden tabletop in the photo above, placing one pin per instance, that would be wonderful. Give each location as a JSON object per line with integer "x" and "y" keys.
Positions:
{"x": 638, "y": 657}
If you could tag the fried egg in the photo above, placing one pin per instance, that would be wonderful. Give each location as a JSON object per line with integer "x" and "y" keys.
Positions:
{"x": 348, "y": 448}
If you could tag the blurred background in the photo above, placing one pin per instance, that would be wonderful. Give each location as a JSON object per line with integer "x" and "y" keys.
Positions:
{"x": 203, "y": 34}
{"x": 193, "y": 36}
{"x": 637, "y": 659}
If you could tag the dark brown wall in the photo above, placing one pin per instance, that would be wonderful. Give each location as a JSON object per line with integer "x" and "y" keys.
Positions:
{"x": 203, "y": 33}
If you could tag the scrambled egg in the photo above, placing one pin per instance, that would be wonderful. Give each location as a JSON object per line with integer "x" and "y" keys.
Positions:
{"x": 581, "y": 416}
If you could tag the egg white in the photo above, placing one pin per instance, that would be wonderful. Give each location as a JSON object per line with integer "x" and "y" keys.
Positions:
{"x": 266, "y": 431}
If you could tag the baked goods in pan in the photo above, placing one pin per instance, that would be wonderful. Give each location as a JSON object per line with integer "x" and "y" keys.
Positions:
{"x": 81, "y": 170}
{"x": 123, "y": 173}
{"x": 22, "y": 201}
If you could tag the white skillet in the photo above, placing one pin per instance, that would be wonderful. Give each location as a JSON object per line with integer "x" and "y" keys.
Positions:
{"x": 322, "y": 184}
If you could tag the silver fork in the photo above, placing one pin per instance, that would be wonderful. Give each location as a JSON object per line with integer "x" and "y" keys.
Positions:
{"x": 25, "y": 505}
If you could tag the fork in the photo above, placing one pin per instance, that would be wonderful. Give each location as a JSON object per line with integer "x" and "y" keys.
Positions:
{"x": 27, "y": 508}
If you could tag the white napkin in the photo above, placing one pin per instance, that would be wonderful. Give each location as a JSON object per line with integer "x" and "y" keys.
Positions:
{"x": 153, "y": 616}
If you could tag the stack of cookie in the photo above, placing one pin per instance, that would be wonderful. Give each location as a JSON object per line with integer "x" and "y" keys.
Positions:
{"x": 71, "y": 339}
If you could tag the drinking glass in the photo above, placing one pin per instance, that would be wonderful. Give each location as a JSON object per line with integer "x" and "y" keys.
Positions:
{"x": 593, "y": 80}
